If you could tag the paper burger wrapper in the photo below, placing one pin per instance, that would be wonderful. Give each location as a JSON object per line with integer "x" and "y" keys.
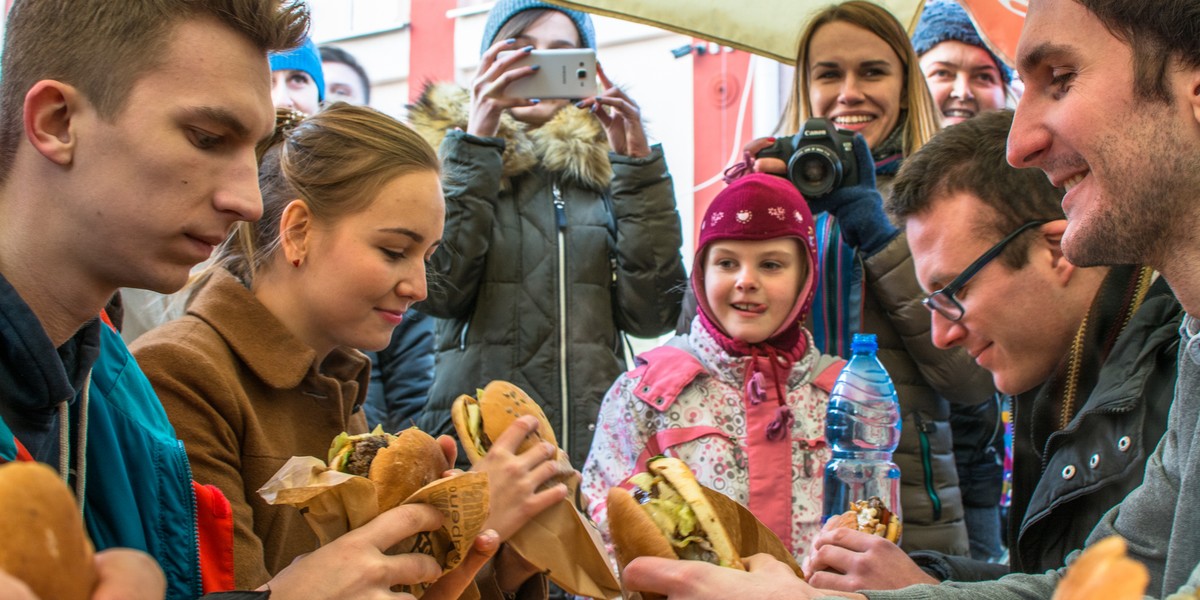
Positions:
{"x": 749, "y": 535}
{"x": 333, "y": 503}
{"x": 566, "y": 546}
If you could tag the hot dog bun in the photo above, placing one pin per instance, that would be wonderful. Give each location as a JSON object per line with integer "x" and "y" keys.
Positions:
{"x": 45, "y": 543}
{"x": 1103, "y": 571}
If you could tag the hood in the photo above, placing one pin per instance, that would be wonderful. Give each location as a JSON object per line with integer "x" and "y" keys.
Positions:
{"x": 573, "y": 144}
{"x": 35, "y": 376}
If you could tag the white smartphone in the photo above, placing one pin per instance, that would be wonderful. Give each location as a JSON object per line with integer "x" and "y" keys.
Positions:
{"x": 564, "y": 73}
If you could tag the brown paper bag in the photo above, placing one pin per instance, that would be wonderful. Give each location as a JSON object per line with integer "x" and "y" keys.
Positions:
{"x": 333, "y": 503}
{"x": 568, "y": 548}
{"x": 747, "y": 533}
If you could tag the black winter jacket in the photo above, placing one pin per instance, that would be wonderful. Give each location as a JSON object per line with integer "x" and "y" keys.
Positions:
{"x": 1061, "y": 491}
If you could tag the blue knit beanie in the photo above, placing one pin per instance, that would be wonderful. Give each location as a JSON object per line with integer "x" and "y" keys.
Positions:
{"x": 944, "y": 20}
{"x": 507, "y": 9}
{"x": 304, "y": 58}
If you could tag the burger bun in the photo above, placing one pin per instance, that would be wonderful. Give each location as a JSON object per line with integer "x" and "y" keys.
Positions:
{"x": 45, "y": 543}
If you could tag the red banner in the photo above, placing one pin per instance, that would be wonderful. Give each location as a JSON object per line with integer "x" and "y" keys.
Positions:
{"x": 1000, "y": 22}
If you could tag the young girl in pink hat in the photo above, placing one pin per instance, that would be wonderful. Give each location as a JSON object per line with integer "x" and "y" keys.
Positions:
{"x": 741, "y": 398}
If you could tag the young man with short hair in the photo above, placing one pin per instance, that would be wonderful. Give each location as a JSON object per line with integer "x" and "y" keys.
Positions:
{"x": 125, "y": 157}
{"x": 345, "y": 78}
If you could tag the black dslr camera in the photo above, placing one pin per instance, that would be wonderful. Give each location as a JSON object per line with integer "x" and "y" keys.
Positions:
{"x": 819, "y": 159}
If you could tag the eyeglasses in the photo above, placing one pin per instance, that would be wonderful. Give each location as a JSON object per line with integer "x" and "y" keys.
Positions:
{"x": 943, "y": 300}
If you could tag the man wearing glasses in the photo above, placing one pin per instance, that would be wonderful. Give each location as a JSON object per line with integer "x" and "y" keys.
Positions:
{"x": 1111, "y": 113}
{"x": 1087, "y": 354}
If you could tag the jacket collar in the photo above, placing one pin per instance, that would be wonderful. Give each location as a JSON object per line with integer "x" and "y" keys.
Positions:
{"x": 261, "y": 341}
{"x": 573, "y": 144}
{"x": 34, "y": 374}
{"x": 731, "y": 369}
{"x": 1127, "y": 300}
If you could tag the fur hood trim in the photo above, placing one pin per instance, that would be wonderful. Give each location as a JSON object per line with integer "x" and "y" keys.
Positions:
{"x": 573, "y": 143}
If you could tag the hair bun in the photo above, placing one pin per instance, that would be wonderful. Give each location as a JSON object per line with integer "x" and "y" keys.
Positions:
{"x": 286, "y": 119}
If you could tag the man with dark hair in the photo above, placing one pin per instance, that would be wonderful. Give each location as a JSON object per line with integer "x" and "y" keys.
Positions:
{"x": 1111, "y": 113}
{"x": 966, "y": 78}
{"x": 1088, "y": 354}
{"x": 123, "y": 161}
{"x": 345, "y": 79}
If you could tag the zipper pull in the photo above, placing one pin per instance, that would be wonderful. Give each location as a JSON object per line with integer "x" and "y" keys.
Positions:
{"x": 560, "y": 210}
{"x": 922, "y": 425}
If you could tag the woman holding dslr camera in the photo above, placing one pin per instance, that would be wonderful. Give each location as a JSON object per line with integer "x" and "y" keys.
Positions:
{"x": 856, "y": 67}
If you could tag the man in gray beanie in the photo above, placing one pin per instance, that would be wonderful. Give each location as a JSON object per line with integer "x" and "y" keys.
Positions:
{"x": 964, "y": 75}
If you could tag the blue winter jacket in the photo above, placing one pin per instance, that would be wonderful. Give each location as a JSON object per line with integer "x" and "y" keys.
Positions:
{"x": 138, "y": 483}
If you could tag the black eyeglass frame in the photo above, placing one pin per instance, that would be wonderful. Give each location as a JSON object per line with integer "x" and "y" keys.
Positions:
{"x": 943, "y": 301}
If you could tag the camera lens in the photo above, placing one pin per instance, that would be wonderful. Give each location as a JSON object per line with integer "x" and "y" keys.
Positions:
{"x": 581, "y": 73}
{"x": 815, "y": 171}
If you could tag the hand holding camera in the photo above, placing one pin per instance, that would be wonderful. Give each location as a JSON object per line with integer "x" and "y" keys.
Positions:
{"x": 820, "y": 159}
{"x": 561, "y": 73}
{"x": 488, "y": 96}
{"x": 834, "y": 171}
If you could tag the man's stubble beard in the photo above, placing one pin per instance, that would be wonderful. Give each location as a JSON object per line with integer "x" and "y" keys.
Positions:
{"x": 1148, "y": 205}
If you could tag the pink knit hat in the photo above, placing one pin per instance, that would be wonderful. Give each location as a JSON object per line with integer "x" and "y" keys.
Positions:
{"x": 759, "y": 207}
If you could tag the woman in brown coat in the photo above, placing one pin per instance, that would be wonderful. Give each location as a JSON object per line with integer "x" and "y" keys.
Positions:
{"x": 263, "y": 366}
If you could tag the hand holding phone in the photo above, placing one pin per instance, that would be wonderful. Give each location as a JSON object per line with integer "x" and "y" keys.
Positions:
{"x": 562, "y": 73}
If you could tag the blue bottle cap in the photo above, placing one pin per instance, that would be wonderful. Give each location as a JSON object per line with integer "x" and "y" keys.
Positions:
{"x": 864, "y": 343}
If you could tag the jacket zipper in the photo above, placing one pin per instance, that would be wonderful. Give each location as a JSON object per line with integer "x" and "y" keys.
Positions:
{"x": 187, "y": 466}
{"x": 927, "y": 465}
{"x": 560, "y": 217}
{"x": 998, "y": 423}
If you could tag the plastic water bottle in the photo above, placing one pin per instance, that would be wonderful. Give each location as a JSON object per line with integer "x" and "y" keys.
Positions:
{"x": 862, "y": 427}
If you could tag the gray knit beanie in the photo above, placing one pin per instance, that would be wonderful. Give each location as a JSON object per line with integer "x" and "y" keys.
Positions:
{"x": 944, "y": 20}
{"x": 507, "y": 9}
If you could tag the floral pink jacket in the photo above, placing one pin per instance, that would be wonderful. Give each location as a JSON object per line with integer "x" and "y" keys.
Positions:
{"x": 689, "y": 399}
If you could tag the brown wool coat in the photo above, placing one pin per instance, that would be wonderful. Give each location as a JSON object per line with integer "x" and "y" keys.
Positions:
{"x": 245, "y": 395}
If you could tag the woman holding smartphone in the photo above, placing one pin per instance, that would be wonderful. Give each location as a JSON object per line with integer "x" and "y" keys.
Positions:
{"x": 561, "y": 230}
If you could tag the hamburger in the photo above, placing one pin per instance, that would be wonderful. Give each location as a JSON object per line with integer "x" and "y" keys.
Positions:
{"x": 871, "y": 516}
{"x": 666, "y": 514}
{"x": 481, "y": 419}
{"x": 399, "y": 464}
{"x": 1104, "y": 571}
{"x": 46, "y": 545}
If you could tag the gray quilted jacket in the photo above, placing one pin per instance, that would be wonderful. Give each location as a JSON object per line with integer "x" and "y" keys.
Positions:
{"x": 553, "y": 246}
